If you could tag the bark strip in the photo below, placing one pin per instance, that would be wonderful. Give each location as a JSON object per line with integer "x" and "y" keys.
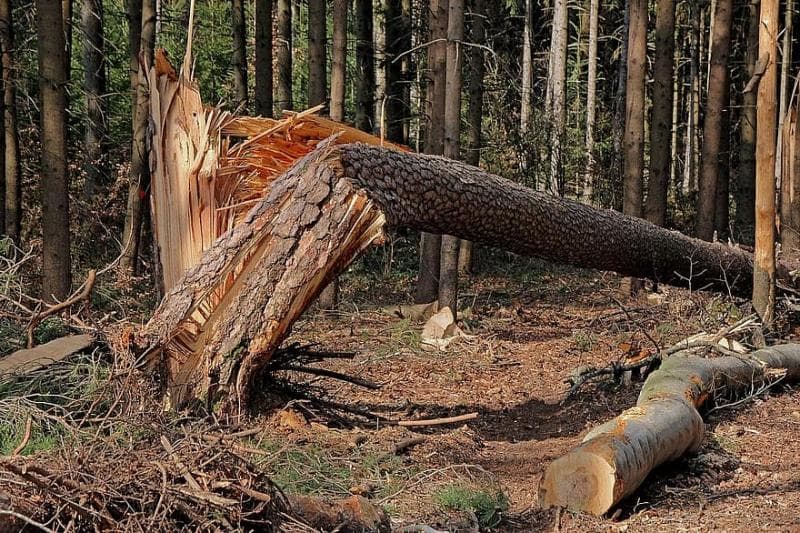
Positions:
{"x": 615, "y": 458}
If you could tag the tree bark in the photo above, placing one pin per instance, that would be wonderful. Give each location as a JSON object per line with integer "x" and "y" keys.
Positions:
{"x": 591, "y": 101}
{"x": 634, "y": 108}
{"x": 712, "y": 125}
{"x": 395, "y": 109}
{"x": 790, "y": 185}
{"x": 239, "y": 59}
{"x": 526, "y": 97}
{"x": 722, "y": 208}
{"x": 13, "y": 184}
{"x": 333, "y": 203}
{"x": 477, "y": 70}
{"x": 427, "y": 289}
{"x": 317, "y": 57}
{"x": 283, "y": 96}
{"x": 448, "y": 269}
{"x": 661, "y": 126}
{"x": 56, "y": 278}
{"x": 139, "y": 174}
{"x": 556, "y": 93}
{"x": 365, "y": 65}
{"x": 339, "y": 61}
{"x": 764, "y": 267}
{"x": 94, "y": 84}
{"x": 746, "y": 177}
{"x": 620, "y": 98}
{"x": 263, "y": 60}
{"x": 616, "y": 457}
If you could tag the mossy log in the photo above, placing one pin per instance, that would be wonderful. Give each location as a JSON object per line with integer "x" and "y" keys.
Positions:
{"x": 221, "y": 322}
{"x": 615, "y": 458}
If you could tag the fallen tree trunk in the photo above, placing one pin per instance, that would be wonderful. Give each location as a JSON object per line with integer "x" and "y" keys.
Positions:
{"x": 224, "y": 318}
{"x": 616, "y": 457}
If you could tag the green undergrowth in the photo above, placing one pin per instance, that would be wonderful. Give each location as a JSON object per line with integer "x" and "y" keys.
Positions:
{"x": 488, "y": 504}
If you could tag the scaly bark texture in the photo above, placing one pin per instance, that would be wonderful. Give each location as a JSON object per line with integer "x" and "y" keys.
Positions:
{"x": 746, "y": 177}
{"x": 263, "y": 60}
{"x": 56, "y": 277}
{"x": 330, "y": 206}
{"x": 13, "y": 171}
{"x": 634, "y": 108}
{"x": 661, "y": 128}
{"x": 712, "y": 124}
{"x": 616, "y": 457}
{"x": 764, "y": 271}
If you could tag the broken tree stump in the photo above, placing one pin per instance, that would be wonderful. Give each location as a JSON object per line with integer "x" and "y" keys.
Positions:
{"x": 615, "y": 458}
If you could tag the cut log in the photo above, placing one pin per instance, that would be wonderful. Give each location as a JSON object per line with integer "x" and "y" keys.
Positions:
{"x": 44, "y": 355}
{"x": 222, "y": 321}
{"x": 615, "y": 458}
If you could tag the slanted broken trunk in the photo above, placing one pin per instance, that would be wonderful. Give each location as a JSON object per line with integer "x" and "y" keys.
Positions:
{"x": 616, "y": 457}
{"x": 274, "y": 217}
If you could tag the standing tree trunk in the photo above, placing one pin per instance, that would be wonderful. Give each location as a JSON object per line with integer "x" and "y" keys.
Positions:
{"x": 66, "y": 24}
{"x": 690, "y": 168}
{"x": 448, "y": 270}
{"x": 56, "y": 279}
{"x": 784, "y": 88}
{"x": 556, "y": 92}
{"x": 634, "y": 108}
{"x": 661, "y": 127}
{"x": 13, "y": 188}
{"x": 430, "y": 244}
{"x": 239, "y": 31}
{"x": 365, "y": 67}
{"x": 317, "y": 66}
{"x": 527, "y": 69}
{"x": 283, "y": 96}
{"x": 139, "y": 174}
{"x": 477, "y": 70}
{"x": 94, "y": 84}
{"x": 394, "y": 108}
{"x": 591, "y": 101}
{"x": 764, "y": 260}
{"x": 339, "y": 61}
{"x": 263, "y": 61}
{"x": 329, "y": 298}
{"x": 746, "y": 177}
{"x": 620, "y": 98}
{"x": 722, "y": 208}
{"x": 712, "y": 127}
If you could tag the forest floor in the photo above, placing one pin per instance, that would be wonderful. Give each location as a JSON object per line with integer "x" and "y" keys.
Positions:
{"x": 528, "y": 326}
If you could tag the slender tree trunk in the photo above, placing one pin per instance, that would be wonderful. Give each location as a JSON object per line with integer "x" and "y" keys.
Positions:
{"x": 239, "y": 31}
{"x": 379, "y": 30}
{"x": 365, "y": 66}
{"x": 94, "y": 82}
{"x": 317, "y": 57}
{"x": 556, "y": 92}
{"x": 134, "y": 15}
{"x": 283, "y": 96}
{"x": 784, "y": 88}
{"x": 448, "y": 277}
{"x": 527, "y": 69}
{"x": 263, "y": 61}
{"x": 66, "y": 13}
{"x": 139, "y": 174}
{"x": 591, "y": 101}
{"x": 56, "y": 279}
{"x": 764, "y": 260}
{"x": 712, "y": 126}
{"x": 722, "y": 208}
{"x": 430, "y": 244}
{"x": 690, "y": 171}
{"x": 339, "y": 61}
{"x": 13, "y": 185}
{"x": 661, "y": 127}
{"x": 621, "y": 96}
{"x": 329, "y": 298}
{"x": 634, "y": 108}
{"x": 406, "y": 66}
{"x": 396, "y": 31}
{"x": 746, "y": 177}
{"x": 477, "y": 70}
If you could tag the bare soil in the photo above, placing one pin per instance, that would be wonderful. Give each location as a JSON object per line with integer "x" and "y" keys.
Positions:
{"x": 529, "y": 325}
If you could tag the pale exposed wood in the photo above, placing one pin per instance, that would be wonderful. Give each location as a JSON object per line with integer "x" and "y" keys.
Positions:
{"x": 44, "y": 354}
{"x": 615, "y": 458}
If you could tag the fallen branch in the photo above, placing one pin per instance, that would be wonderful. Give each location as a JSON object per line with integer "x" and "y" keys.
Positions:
{"x": 616, "y": 457}
{"x": 79, "y": 296}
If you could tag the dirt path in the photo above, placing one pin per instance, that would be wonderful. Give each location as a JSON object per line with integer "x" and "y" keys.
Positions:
{"x": 529, "y": 331}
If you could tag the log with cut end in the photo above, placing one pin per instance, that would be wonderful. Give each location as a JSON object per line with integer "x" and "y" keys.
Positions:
{"x": 615, "y": 458}
{"x": 219, "y": 325}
